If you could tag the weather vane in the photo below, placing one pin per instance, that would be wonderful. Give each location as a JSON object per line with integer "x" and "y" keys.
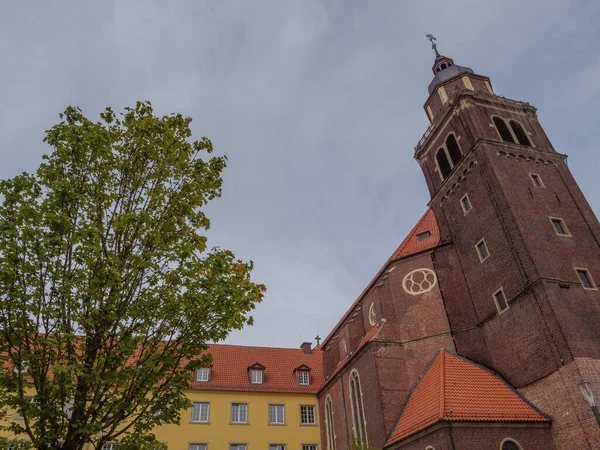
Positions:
{"x": 432, "y": 39}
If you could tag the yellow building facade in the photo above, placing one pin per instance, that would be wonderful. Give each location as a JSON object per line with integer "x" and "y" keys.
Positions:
{"x": 225, "y": 428}
{"x": 251, "y": 398}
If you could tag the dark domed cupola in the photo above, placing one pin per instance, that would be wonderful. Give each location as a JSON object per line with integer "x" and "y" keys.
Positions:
{"x": 448, "y": 79}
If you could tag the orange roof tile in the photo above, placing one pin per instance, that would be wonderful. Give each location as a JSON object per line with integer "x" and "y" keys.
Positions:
{"x": 229, "y": 371}
{"x": 409, "y": 246}
{"x": 454, "y": 388}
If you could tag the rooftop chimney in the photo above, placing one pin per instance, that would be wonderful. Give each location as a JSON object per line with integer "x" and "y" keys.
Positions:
{"x": 307, "y": 347}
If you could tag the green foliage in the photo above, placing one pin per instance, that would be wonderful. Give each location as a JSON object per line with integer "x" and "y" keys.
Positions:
{"x": 108, "y": 292}
{"x": 15, "y": 444}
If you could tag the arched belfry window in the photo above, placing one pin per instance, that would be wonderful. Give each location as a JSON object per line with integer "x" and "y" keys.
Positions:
{"x": 443, "y": 163}
{"x": 358, "y": 412}
{"x": 503, "y": 130}
{"x": 453, "y": 149}
{"x": 329, "y": 423}
{"x": 520, "y": 133}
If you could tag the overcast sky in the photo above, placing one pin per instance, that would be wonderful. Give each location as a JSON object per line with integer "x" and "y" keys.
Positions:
{"x": 317, "y": 105}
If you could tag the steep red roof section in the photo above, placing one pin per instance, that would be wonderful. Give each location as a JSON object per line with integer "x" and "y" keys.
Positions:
{"x": 229, "y": 371}
{"x": 409, "y": 246}
{"x": 456, "y": 389}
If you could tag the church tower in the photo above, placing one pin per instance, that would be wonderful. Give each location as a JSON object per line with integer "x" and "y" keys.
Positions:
{"x": 519, "y": 253}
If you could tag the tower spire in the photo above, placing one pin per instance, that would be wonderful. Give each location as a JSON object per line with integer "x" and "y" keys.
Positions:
{"x": 433, "y": 40}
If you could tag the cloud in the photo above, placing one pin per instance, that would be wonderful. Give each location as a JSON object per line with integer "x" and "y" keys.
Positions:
{"x": 318, "y": 106}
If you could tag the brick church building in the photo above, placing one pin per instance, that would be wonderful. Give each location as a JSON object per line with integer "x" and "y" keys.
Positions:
{"x": 479, "y": 329}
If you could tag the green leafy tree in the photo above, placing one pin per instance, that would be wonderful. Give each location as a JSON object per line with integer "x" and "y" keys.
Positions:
{"x": 108, "y": 292}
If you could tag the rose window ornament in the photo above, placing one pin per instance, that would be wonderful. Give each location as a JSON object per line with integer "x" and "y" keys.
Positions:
{"x": 419, "y": 281}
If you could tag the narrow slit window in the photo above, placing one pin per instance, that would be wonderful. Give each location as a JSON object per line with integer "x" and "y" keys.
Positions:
{"x": 423, "y": 235}
{"x": 536, "y": 180}
{"x": 465, "y": 203}
{"x": 560, "y": 227}
{"x": 482, "y": 250}
{"x": 500, "y": 300}
{"x": 586, "y": 279}
{"x": 520, "y": 133}
{"x": 503, "y": 130}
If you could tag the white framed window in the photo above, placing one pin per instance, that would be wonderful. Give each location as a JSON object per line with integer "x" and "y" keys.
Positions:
{"x": 303, "y": 377}
{"x": 277, "y": 414}
{"x": 482, "y": 250}
{"x": 536, "y": 180}
{"x": 309, "y": 447}
{"x": 500, "y": 301}
{"x": 560, "y": 227}
{"x": 465, "y": 204}
{"x": 586, "y": 278}
{"x": 237, "y": 447}
{"x": 30, "y": 400}
{"x": 111, "y": 446}
{"x": 256, "y": 376}
{"x": 197, "y": 447}
{"x": 200, "y": 412}
{"x": 307, "y": 415}
{"x": 239, "y": 413}
{"x": 203, "y": 374}
{"x": 68, "y": 408}
{"x": 277, "y": 446}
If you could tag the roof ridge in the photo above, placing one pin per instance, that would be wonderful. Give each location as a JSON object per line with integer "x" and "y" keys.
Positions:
{"x": 260, "y": 347}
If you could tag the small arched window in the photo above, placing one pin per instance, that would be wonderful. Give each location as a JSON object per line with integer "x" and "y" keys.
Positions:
{"x": 510, "y": 444}
{"x": 358, "y": 412}
{"x": 329, "y": 423}
{"x": 520, "y": 133}
{"x": 443, "y": 163}
{"x": 443, "y": 66}
{"x": 503, "y": 130}
{"x": 453, "y": 149}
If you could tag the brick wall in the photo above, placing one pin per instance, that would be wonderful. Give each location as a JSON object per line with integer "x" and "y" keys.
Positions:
{"x": 483, "y": 437}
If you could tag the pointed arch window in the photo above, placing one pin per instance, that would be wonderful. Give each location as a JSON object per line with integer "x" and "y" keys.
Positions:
{"x": 503, "y": 130}
{"x": 358, "y": 412}
{"x": 520, "y": 133}
{"x": 443, "y": 163}
{"x": 453, "y": 149}
{"x": 329, "y": 423}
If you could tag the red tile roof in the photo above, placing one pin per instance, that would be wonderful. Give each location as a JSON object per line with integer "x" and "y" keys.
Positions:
{"x": 409, "y": 246}
{"x": 229, "y": 371}
{"x": 456, "y": 389}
